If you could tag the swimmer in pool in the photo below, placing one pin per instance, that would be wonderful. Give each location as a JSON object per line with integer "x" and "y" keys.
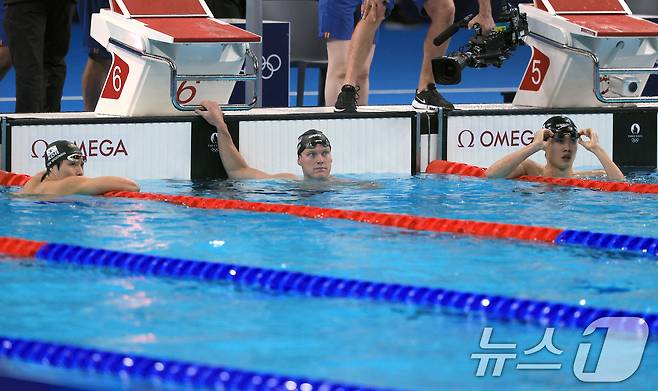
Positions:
{"x": 64, "y": 174}
{"x": 313, "y": 151}
{"x": 559, "y": 139}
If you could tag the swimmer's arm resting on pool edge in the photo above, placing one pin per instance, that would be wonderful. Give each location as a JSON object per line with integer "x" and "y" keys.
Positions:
{"x": 78, "y": 185}
{"x": 517, "y": 164}
{"x": 234, "y": 163}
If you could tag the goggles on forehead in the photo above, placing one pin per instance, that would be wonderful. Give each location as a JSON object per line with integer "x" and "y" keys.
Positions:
{"x": 77, "y": 157}
{"x": 571, "y": 133}
{"x": 311, "y": 140}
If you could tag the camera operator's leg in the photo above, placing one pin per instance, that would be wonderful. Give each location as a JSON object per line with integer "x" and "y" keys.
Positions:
{"x": 336, "y": 66}
{"x": 442, "y": 13}
{"x": 360, "y": 55}
{"x": 93, "y": 78}
{"x": 337, "y": 51}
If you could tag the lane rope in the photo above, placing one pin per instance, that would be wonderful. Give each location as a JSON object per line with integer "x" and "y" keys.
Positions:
{"x": 157, "y": 371}
{"x": 537, "y": 312}
{"x": 446, "y": 167}
{"x": 625, "y": 243}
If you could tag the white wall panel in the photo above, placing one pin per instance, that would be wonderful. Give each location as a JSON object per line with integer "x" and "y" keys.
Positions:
{"x": 359, "y": 145}
{"x": 138, "y": 150}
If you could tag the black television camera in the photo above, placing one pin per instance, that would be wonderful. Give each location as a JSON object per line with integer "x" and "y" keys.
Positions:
{"x": 481, "y": 50}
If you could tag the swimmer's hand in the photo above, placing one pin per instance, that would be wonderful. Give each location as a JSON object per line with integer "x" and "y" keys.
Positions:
{"x": 541, "y": 139}
{"x": 212, "y": 114}
{"x": 592, "y": 144}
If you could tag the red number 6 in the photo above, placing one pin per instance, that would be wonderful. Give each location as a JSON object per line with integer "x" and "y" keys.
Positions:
{"x": 181, "y": 89}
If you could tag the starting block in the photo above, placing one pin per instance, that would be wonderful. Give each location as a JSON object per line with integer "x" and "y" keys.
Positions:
{"x": 169, "y": 55}
{"x": 586, "y": 53}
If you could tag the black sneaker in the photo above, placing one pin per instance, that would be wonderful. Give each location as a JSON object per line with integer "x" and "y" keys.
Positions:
{"x": 346, "y": 101}
{"x": 430, "y": 99}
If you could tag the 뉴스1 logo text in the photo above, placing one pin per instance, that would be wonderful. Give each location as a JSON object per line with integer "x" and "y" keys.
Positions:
{"x": 618, "y": 357}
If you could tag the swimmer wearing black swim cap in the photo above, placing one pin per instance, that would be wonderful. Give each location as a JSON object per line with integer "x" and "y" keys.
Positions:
{"x": 313, "y": 151}
{"x": 559, "y": 139}
{"x": 61, "y": 150}
{"x": 64, "y": 174}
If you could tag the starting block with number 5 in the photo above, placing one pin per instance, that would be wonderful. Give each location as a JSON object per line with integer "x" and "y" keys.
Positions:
{"x": 586, "y": 53}
{"x": 169, "y": 55}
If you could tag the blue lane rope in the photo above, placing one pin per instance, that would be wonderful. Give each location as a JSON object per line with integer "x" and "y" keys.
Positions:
{"x": 625, "y": 243}
{"x": 159, "y": 371}
{"x": 543, "y": 313}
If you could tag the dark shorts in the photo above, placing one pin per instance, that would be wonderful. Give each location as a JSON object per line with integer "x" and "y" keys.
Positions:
{"x": 337, "y": 18}
{"x": 85, "y": 9}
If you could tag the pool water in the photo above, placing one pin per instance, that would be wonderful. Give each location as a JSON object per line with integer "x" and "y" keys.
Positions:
{"x": 375, "y": 344}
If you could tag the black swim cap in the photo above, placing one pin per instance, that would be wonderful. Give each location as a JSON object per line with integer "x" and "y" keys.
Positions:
{"x": 310, "y": 139}
{"x": 562, "y": 126}
{"x": 60, "y": 150}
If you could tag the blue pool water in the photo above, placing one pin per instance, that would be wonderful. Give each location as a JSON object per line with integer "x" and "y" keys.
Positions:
{"x": 361, "y": 342}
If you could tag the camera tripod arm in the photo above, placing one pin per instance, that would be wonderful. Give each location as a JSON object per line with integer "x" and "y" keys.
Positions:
{"x": 452, "y": 29}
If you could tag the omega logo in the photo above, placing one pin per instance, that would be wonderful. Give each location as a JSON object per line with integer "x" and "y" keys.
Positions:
{"x": 490, "y": 138}
{"x": 465, "y": 135}
{"x": 89, "y": 148}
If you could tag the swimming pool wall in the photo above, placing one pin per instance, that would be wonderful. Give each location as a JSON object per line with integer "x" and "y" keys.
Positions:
{"x": 382, "y": 139}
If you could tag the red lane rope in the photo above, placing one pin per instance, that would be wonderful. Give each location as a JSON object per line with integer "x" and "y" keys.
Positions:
{"x": 19, "y": 247}
{"x": 11, "y": 179}
{"x": 418, "y": 223}
{"x": 445, "y": 167}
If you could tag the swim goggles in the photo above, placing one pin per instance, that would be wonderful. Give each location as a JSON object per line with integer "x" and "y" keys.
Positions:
{"x": 560, "y": 135}
{"x": 77, "y": 157}
{"x": 309, "y": 141}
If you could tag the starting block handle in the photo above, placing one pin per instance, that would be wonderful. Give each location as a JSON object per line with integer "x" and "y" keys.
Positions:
{"x": 175, "y": 78}
{"x": 598, "y": 71}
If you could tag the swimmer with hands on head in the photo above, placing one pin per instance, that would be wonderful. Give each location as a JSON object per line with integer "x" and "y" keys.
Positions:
{"x": 559, "y": 139}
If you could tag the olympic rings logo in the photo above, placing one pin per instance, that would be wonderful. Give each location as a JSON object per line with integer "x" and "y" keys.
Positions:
{"x": 271, "y": 64}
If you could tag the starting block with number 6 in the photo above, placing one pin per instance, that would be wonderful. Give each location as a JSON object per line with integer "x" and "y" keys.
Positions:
{"x": 586, "y": 53}
{"x": 169, "y": 55}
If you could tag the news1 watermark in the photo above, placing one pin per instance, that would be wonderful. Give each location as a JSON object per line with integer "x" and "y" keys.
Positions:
{"x": 619, "y": 357}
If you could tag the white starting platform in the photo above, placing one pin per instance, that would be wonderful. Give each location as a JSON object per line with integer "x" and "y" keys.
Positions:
{"x": 586, "y": 53}
{"x": 167, "y": 56}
